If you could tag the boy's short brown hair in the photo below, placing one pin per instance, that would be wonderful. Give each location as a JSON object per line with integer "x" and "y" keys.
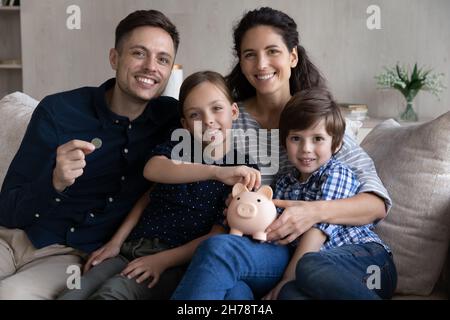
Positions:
{"x": 306, "y": 108}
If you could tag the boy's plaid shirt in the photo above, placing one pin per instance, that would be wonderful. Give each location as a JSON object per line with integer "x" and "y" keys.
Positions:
{"x": 331, "y": 181}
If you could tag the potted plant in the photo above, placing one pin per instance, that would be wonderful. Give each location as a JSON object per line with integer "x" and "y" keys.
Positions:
{"x": 409, "y": 84}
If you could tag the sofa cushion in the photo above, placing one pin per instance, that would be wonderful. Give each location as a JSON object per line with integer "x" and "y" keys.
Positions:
{"x": 414, "y": 164}
{"x": 15, "y": 113}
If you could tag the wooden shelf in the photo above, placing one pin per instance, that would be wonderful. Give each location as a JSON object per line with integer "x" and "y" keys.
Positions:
{"x": 10, "y": 66}
{"x": 9, "y": 8}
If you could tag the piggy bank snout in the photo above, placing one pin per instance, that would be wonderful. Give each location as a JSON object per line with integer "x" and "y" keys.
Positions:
{"x": 246, "y": 210}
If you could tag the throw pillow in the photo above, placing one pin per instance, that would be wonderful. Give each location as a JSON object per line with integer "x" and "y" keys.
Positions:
{"x": 15, "y": 112}
{"x": 414, "y": 164}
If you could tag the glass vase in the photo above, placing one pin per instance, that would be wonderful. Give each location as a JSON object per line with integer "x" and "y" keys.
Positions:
{"x": 409, "y": 114}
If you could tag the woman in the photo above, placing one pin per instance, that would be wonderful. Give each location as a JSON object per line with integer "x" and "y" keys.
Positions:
{"x": 272, "y": 66}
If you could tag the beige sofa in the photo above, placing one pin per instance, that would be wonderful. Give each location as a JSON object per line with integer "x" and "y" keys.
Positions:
{"x": 414, "y": 164}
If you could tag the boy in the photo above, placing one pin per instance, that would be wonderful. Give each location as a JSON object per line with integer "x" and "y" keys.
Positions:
{"x": 312, "y": 130}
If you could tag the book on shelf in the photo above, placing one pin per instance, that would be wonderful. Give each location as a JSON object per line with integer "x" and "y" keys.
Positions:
{"x": 9, "y": 3}
{"x": 354, "y": 111}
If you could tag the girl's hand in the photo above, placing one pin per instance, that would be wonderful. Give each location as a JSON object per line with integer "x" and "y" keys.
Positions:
{"x": 109, "y": 250}
{"x": 273, "y": 294}
{"x": 297, "y": 217}
{"x": 145, "y": 267}
{"x": 250, "y": 177}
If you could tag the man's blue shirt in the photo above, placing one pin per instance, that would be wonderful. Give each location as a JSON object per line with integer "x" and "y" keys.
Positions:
{"x": 87, "y": 213}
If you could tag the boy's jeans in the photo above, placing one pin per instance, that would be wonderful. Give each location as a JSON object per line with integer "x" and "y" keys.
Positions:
{"x": 358, "y": 271}
{"x": 232, "y": 267}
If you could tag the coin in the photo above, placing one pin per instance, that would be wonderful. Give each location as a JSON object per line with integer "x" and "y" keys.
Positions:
{"x": 97, "y": 142}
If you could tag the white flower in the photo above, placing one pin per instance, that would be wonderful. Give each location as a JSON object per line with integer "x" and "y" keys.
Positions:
{"x": 410, "y": 83}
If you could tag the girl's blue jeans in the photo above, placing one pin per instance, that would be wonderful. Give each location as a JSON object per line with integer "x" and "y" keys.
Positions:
{"x": 238, "y": 268}
{"x": 232, "y": 267}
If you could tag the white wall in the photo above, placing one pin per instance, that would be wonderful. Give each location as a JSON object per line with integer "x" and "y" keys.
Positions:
{"x": 333, "y": 32}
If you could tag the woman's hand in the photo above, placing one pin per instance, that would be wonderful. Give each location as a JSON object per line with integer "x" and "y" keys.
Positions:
{"x": 297, "y": 217}
{"x": 273, "y": 294}
{"x": 109, "y": 250}
{"x": 151, "y": 266}
{"x": 250, "y": 177}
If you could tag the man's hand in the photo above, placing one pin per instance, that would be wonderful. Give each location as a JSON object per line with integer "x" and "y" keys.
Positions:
{"x": 109, "y": 250}
{"x": 70, "y": 162}
{"x": 250, "y": 177}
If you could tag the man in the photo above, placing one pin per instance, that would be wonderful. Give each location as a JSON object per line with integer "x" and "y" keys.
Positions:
{"x": 78, "y": 171}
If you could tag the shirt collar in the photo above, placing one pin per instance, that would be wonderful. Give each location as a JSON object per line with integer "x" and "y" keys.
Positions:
{"x": 294, "y": 174}
{"x": 107, "y": 117}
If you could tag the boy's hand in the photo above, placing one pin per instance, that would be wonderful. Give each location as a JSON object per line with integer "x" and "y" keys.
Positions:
{"x": 250, "y": 177}
{"x": 109, "y": 250}
{"x": 145, "y": 267}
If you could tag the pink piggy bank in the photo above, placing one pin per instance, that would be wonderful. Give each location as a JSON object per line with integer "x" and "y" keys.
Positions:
{"x": 251, "y": 213}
